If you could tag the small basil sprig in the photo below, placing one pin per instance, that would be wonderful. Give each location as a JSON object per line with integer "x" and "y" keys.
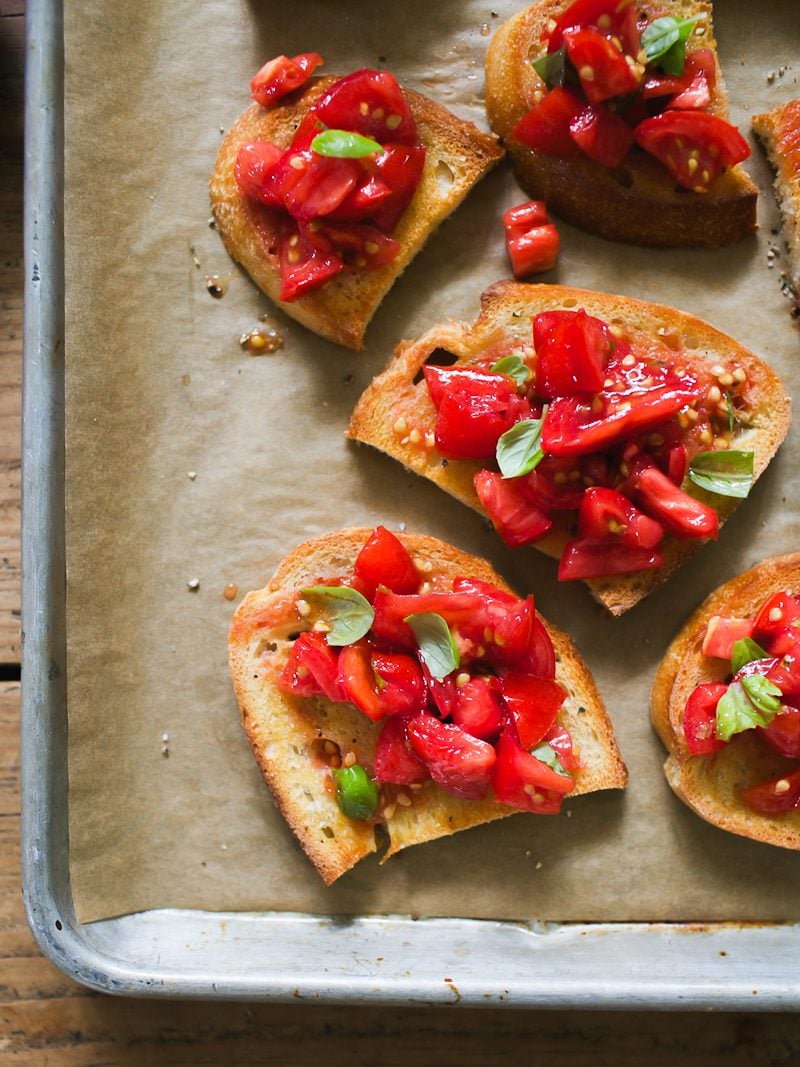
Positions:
{"x": 356, "y": 793}
{"x": 547, "y": 754}
{"x": 665, "y": 39}
{"x": 728, "y": 473}
{"x": 436, "y": 644}
{"x": 347, "y": 612}
{"x": 513, "y": 366}
{"x": 745, "y": 651}
{"x": 519, "y": 450}
{"x": 737, "y": 711}
{"x": 344, "y": 145}
{"x": 551, "y": 67}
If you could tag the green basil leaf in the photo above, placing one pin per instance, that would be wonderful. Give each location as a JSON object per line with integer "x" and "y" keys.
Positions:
{"x": 356, "y": 793}
{"x": 346, "y": 611}
{"x": 551, "y": 67}
{"x": 731, "y": 412}
{"x": 736, "y": 712}
{"x": 547, "y": 754}
{"x": 342, "y": 144}
{"x": 514, "y": 366}
{"x": 435, "y": 642}
{"x": 665, "y": 39}
{"x": 745, "y": 651}
{"x": 764, "y": 694}
{"x": 728, "y": 473}
{"x": 519, "y": 450}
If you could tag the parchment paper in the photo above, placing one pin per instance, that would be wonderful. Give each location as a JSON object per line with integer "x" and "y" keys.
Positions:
{"x": 189, "y": 459}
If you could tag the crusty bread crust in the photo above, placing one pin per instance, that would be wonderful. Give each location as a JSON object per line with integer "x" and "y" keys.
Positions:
{"x": 639, "y": 202}
{"x": 779, "y": 130}
{"x": 285, "y": 731}
{"x": 506, "y": 311}
{"x": 710, "y": 784}
{"x": 458, "y": 155}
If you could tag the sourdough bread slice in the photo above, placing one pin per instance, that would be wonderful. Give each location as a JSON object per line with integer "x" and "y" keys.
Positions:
{"x": 396, "y": 415}
{"x": 286, "y": 732}
{"x": 638, "y": 202}
{"x": 458, "y": 155}
{"x": 710, "y": 784}
{"x": 779, "y": 130}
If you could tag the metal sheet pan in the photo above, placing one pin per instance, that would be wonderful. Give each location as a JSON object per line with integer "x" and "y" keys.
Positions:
{"x": 392, "y": 959}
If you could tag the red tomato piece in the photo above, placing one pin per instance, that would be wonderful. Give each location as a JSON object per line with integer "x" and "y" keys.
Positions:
{"x": 469, "y": 425}
{"x": 526, "y": 216}
{"x": 785, "y": 673}
{"x": 306, "y": 265}
{"x": 560, "y": 740}
{"x": 775, "y": 796}
{"x": 555, "y": 485}
{"x": 254, "y": 161}
{"x": 361, "y": 247}
{"x": 700, "y": 719}
{"x": 572, "y": 349}
{"x": 357, "y": 679}
{"x": 607, "y": 514}
{"x": 392, "y": 609}
{"x": 546, "y": 127}
{"x": 477, "y": 709}
{"x": 319, "y": 184}
{"x": 700, "y": 72}
{"x": 522, "y": 781}
{"x": 607, "y": 15}
{"x": 534, "y": 704}
{"x": 312, "y": 669}
{"x": 282, "y": 75}
{"x": 459, "y": 763}
{"x": 305, "y": 133}
{"x": 600, "y": 559}
{"x": 722, "y": 633}
{"x": 443, "y": 380}
{"x": 385, "y": 560}
{"x": 783, "y": 733}
{"x": 395, "y": 760}
{"x": 694, "y": 146}
{"x": 369, "y": 102}
{"x": 602, "y": 135}
{"x": 444, "y": 693}
{"x": 400, "y": 167}
{"x": 533, "y": 252}
{"x": 515, "y": 517}
{"x": 774, "y": 626}
{"x": 400, "y": 683}
{"x": 602, "y": 68}
{"x": 679, "y": 513}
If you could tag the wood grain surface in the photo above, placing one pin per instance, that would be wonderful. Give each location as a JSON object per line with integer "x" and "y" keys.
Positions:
{"x": 47, "y": 1019}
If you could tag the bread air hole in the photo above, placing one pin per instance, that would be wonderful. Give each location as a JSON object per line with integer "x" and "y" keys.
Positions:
{"x": 439, "y": 357}
{"x": 444, "y": 178}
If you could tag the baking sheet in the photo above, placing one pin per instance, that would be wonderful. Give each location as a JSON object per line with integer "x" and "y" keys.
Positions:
{"x": 167, "y": 808}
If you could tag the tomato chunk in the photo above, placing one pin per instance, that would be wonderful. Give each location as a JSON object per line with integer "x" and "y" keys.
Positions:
{"x": 357, "y": 679}
{"x": 722, "y": 633}
{"x": 607, "y": 514}
{"x": 477, "y": 709}
{"x": 701, "y": 74}
{"x": 700, "y": 719}
{"x": 572, "y": 350}
{"x": 534, "y": 704}
{"x": 513, "y": 515}
{"x": 602, "y": 68}
{"x": 694, "y": 146}
{"x": 306, "y": 265}
{"x": 254, "y": 161}
{"x": 607, "y": 14}
{"x": 385, "y": 560}
{"x": 775, "y": 796}
{"x": 459, "y": 763}
{"x": 546, "y": 127}
{"x": 443, "y": 380}
{"x": 312, "y": 669}
{"x": 678, "y": 512}
{"x": 533, "y": 251}
{"x": 783, "y": 733}
{"x": 522, "y": 781}
{"x": 282, "y": 75}
{"x": 774, "y": 626}
{"x": 400, "y": 683}
{"x": 395, "y": 760}
{"x": 369, "y": 102}
{"x": 602, "y": 135}
{"x": 469, "y": 425}
{"x": 600, "y": 559}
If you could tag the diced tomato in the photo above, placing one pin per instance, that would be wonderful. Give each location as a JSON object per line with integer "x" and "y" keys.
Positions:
{"x": 600, "y": 559}
{"x": 534, "y": 251}
{"x": 677, "y": 463}
{"x": 722, "y": 633}
{"x": 371, "y": 103}
{"x": 534, "y": 704}
{"x": 400, "y": 683}
{"x": 607, "y": 514}
{"x": 443, "y": 693}
{"x": 775, "y": 796}
{"x": 786, "y": 674}
{"x": 601, "y": 134}
{"x": 572, "y": 349}
{"x": 312, "y": 669}
{"x": 602, "y": 68}
{"x": 513, "y": 515}
{"x": 477, "y": 709}
{"x": 546, "y": 127}
{"x": 443, "y": 380}
{"x": 679, "y": 513}
{"x": 701, "y": 73}
{"x": 357, "y": 679}
{"x": 469, "y": 425}
{"x": 400, "y": 167}
{"x": 361, "y": 247}
{"x": 385, "y": 560}
{"x": 555, "y": 485}
{"x": 282, "y": 75}
{"x": 560, "y": 740}
{"x": 540, "y": 656}
{"x": 783, "y": 733}
{"x": 700, "y": 719}
{"x": 305, "y": 264}
{"x": 694, "y": 146}
{"x": 522, "y": 781}
{"x": 526, "y": 216}
{"x": 459, "y": 763}
{"x": 774, "y": 626}
{"x": 391, "y": 611}
{"x": 305, "y": 133}
{"x": 395, "y": 760}
{"x": 254, "y": 161}
{"x": 320, "y": 186}
{"x": 604, "y": 14}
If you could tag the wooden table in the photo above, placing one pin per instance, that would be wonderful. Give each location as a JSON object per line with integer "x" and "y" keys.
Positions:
{"x": 47, "y": 1019}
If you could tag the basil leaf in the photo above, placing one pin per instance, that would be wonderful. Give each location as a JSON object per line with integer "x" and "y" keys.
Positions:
{"x": 343, "y": 145}
{"x": 436, "y": 644}
{"x": 349, "y": 614}
{"x": 745, "y": 651}
{"x": 665, "y": 39}
{"x": 764, "y": 694}
{"x": 514, "y": 366}
{"x": 551, "y": 68}
{"x": 731, "y": 412}
{"x": 728, "y": 473}
{"x": 736, "y": 712}
{"x": 356, "y": 793}
{"x": 547, "y": 754}
{"x": 519, "y": 450}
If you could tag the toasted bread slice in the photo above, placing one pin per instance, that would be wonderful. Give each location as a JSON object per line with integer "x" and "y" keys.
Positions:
{"x": 397, "y": 402}
{"x": 779, "y": 130}
{"x": 458, "y": 155}
{"x": 286, "y": 732}
{"x": 710, "y": 784}
{"x": 638, "y": 202}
